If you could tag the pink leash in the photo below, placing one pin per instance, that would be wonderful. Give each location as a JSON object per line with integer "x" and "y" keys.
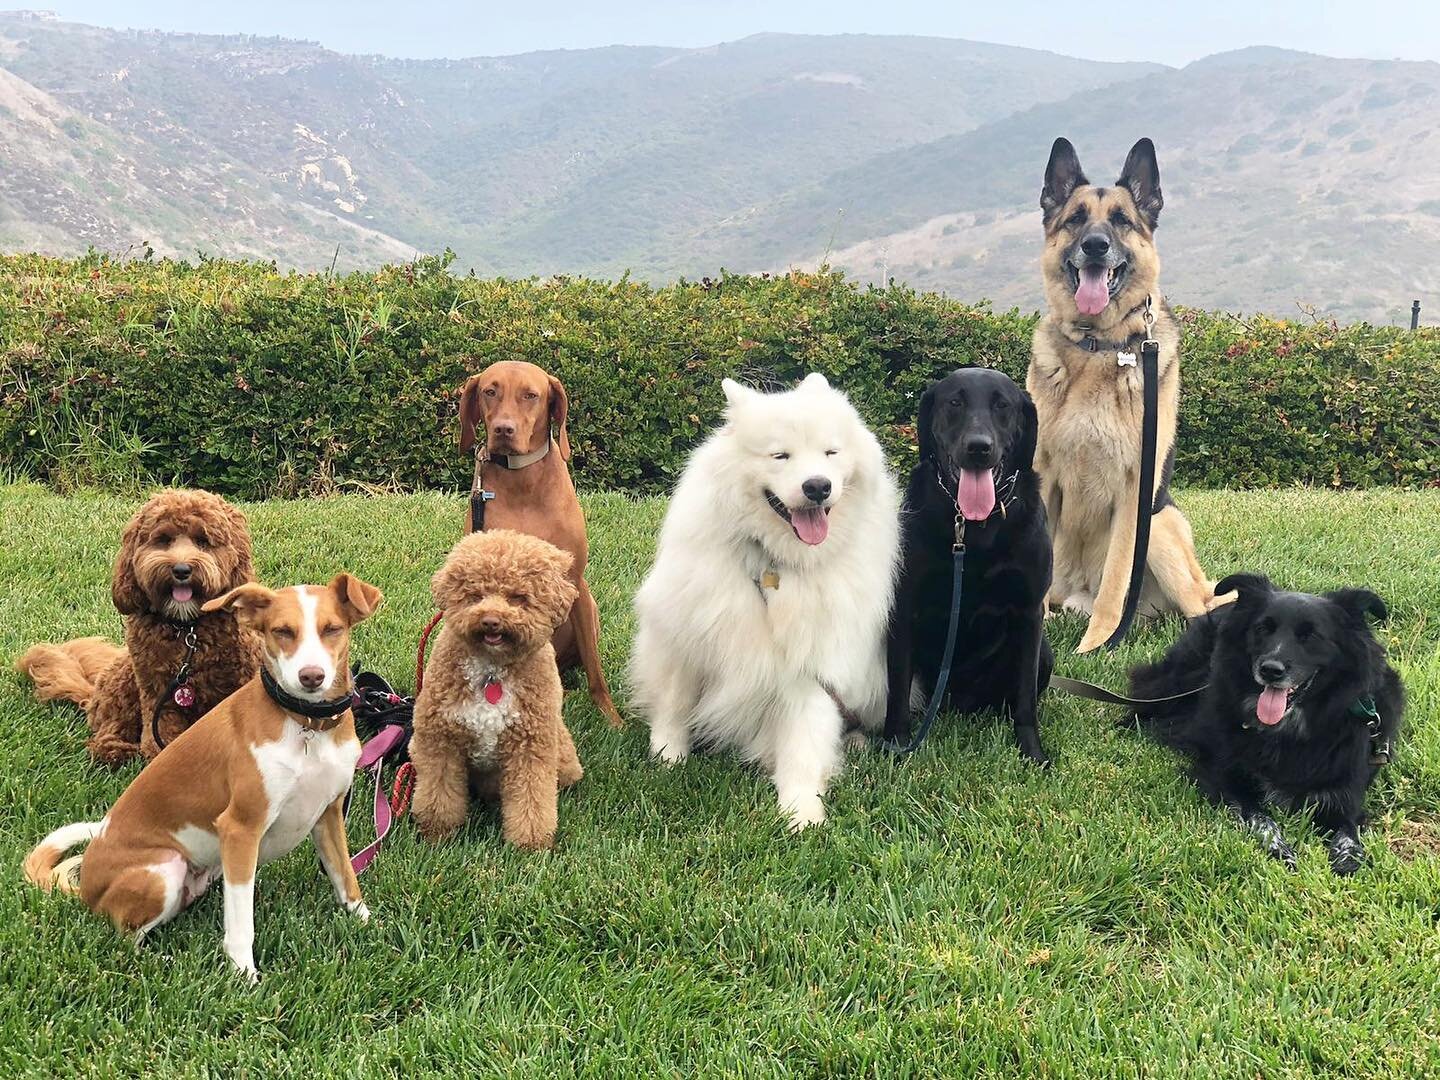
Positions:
{"x": 372, "y": 760}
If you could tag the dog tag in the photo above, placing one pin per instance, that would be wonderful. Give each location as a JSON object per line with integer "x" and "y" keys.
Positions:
{"x": 185, "y": 696}
{"x": 770, "y": 580}
{"x": 1125, "y": 359}
{"x": 494, "y": 691}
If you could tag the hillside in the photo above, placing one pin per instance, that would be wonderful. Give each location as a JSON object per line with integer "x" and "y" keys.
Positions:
{"x": 1288, "y": 177}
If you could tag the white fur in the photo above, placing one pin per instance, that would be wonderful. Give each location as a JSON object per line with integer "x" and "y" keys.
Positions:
{"x": 714, "y": 659}
{"x": 484, "y": 720}
{"x": 311, "y": 651}
{"x": 303, "y": 773}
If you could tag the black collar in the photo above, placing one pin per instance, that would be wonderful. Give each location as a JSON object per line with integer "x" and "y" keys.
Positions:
{"x": 1004, "y": 490}
{"x": 1090, "y": 343}
{"x": 326, "y": 713}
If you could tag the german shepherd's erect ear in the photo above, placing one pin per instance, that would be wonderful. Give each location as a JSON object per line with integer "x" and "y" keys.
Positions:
{"x": 1062, "y": 176}
{"x": 1141, "y": 175}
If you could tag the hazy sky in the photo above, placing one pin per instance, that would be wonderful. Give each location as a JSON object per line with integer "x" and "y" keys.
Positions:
{"x": 1174, "y": 34}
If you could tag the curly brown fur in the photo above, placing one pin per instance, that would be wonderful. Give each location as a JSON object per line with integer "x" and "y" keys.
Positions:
{"x": 178, "y": 541}
{"x": 503, "y": 594}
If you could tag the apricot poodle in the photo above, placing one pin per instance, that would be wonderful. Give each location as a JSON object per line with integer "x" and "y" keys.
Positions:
{"x": 180, "y": 549}
{"x": 489, "y": 712}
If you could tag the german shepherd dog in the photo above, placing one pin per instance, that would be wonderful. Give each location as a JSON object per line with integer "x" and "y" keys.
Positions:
{"x": 1101, "y": 276}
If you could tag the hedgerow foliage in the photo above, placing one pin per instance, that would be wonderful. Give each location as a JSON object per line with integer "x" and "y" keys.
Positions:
{"x": 252, "y": 382}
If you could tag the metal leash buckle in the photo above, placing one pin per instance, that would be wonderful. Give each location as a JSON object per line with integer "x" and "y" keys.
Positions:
{"x": 959, "y": 544}
{"x": 1149, "y": 327}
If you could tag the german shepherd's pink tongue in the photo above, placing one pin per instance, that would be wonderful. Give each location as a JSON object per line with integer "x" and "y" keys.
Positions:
{"x": 181, "y": 594}
{"x": 975, "y": 494}
{"x": 1093, "y": 294}
{"x": 810, "y": 525}
{"x": 1272, "y": 704}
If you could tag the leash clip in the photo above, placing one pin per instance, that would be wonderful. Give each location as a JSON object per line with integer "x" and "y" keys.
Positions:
{"x": 959, "y": 544}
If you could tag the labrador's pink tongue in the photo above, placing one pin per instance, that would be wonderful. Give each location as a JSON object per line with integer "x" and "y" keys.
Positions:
{"x": 975, "y": 494}
{"x": 1093, "y": 294}
{"x": 812, "y": 526}
{"x": 181, "y": 594}
{"x": 1271, "y": 706}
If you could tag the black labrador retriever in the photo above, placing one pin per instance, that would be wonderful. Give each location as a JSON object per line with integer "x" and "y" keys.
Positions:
{"x": 1299, "y": 709}
{"x": 977, "y": 444}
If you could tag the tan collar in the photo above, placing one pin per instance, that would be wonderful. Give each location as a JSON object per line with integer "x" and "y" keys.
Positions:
{"x": 517, "y": 461}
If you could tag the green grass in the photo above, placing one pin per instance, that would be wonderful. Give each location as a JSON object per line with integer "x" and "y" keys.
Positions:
{"x": 960, "y": 912}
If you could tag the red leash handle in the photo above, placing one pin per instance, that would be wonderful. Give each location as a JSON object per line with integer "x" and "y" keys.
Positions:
{"x": 420, "y": 653}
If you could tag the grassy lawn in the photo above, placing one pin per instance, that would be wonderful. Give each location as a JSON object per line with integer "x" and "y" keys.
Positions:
{"x": 960, "y": 913}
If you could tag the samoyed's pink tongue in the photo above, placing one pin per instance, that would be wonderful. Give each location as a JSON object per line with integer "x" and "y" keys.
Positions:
{"x": 975, "y": 494}
{"x": 1093, "y": 294}
{"x": 181, "y": 594}
{"x": 812, "y": 525}
{"x": 1271, "y": 706}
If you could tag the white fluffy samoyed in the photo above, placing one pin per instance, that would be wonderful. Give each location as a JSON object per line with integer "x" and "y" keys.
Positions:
{"x": 765, "y": 610}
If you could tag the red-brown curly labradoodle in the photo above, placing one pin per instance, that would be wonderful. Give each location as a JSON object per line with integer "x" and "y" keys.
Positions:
{"x": 489, "y": 712}
{"x": 180, "y": 549}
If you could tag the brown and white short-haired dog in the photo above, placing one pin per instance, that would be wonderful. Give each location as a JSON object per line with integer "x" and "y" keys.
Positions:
{"x": 241, "y": 787}
{"x": 490, "y": 707}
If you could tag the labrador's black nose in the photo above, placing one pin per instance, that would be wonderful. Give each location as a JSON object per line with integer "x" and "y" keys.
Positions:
{"x": 978, "y": 447}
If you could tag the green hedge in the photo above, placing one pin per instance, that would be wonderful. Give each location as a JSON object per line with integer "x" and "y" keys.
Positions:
{"x": 251, "y": 382}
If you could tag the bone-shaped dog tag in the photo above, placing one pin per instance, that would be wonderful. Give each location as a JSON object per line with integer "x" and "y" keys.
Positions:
{"x": 1125, "y": 359}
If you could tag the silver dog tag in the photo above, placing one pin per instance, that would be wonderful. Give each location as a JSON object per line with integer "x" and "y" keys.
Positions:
{"x": 1125, "y": 359}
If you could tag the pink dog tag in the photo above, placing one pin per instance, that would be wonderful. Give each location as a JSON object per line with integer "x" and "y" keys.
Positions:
{"x": 494, "y": 691}
{"x": 185, "y": 696}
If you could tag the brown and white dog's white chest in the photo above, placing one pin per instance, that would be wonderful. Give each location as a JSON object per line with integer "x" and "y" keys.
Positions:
{"x": 302, "y": 772}
{"x": 483, "y": 719}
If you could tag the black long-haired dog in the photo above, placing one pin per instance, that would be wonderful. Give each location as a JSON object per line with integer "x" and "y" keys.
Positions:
{"x": 1300, "y": 708}
{"x": 977, "y": 443}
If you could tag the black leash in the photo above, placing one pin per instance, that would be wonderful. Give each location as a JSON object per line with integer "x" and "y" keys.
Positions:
{"x": 179, "y": 692}
{"x": 1093, "y": 692}
{"x": 1149, "y": 425}
{"x": 942, "y": 683}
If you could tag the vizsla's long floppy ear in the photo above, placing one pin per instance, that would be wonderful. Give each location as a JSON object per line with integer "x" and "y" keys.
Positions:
{"x": 357, "y": 599}
{"x": 469, "y": 412}
{"x": 125, "y": 588}
{"x": 248, "y": 602}
{"x": 560, "y": 415}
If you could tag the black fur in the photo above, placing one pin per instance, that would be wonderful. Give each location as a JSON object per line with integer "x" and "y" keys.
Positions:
{"x": 1002, "y": 659}
{"x": 1318, "y": 754}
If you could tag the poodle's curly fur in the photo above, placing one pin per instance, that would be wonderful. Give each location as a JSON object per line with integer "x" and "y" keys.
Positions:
{"x": 503, "y": 594}
{"x": 119, "y": 688}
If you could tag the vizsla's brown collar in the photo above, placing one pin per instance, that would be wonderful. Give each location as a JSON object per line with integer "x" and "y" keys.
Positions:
{"x": 517, "y": 461}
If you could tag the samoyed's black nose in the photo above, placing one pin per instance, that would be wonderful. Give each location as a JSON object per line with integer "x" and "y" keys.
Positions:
{"x": 816, "y": 489}
{"x": 1272, "y": 670}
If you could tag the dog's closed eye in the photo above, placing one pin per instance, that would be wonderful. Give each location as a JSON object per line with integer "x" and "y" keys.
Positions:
{"x": 519, "y": 599}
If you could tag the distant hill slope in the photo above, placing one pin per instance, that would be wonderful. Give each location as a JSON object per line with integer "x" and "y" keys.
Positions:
{"x": 1288, "y": 177}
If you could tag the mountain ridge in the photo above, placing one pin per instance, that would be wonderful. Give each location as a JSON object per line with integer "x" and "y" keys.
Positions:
{"x": 912, "y": 157}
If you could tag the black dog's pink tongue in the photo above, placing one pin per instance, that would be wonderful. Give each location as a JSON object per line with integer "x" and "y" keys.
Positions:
{"x": 1093, "y": 294}
{"x": 181, "y": 594}
{"x": 975, "y": 494}
{"x": 810, "y": 525}
{"x": 1270, "y": 708}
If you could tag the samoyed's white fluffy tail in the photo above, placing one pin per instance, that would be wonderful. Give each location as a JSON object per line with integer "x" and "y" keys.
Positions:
{"x": 770, "y": 591}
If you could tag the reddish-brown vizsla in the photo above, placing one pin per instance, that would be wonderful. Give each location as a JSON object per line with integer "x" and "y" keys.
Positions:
{"x": 524, "y": 467}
